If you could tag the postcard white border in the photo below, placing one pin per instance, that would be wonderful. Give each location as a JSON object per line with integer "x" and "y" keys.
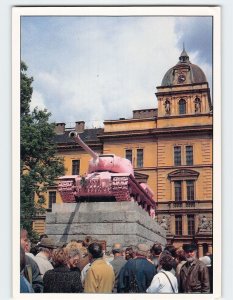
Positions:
{"x": 213, "y": 11}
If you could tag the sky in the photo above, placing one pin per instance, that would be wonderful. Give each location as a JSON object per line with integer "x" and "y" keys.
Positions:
{"x": 102, "y": 68}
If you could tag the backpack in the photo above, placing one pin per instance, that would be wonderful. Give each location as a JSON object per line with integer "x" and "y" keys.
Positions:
{"x": 133, "y": 285}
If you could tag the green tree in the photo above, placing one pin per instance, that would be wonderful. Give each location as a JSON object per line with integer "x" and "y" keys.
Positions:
{"x": 39, "y": 165}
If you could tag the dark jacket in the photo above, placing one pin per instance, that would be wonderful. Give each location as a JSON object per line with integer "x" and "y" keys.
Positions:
{"x": 32, "y": 274}
{"x": 62, "y": 280}
{"x": 139, "y": 269}
{"x": 194, "y": 278}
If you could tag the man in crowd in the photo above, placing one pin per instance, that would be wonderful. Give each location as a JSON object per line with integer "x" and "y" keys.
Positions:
{"x": 137, "y": 273}
{"x": 130, "y": 252}
{"x": 45, "y": 253}
{"x": 207, "y": 261}
{"x": 100, "y": 277}
{"x": 118, "y": 262}
{"x": 194, "y": 276}
{"x": 31, "y": 269}
{"x": 155, "y": 251}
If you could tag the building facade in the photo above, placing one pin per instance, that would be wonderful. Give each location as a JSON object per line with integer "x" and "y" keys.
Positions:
{"x": 171, "y": 146}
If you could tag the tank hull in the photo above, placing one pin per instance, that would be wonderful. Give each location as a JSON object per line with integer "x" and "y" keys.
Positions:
{"x": 118, "y": 186}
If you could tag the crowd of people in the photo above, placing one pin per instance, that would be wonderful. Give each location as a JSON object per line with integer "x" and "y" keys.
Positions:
{"x": 84, "y": 267}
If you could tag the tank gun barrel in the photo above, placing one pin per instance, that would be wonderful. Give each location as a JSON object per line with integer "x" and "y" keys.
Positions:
{"x": 75, "y": 136}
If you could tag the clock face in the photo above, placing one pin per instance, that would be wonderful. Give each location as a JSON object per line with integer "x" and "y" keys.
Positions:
{"x": 181, "y": 78}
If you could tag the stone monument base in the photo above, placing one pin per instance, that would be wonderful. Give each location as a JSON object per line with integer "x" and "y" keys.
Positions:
{"x": 123, "y": 222}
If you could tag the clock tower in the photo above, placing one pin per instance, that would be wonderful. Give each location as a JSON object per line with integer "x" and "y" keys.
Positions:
{"x": 184, "y": 90}
{"x": 184, "y": 169}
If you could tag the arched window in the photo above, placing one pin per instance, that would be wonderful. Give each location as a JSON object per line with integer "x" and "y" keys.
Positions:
{"x": 182, "y": 107}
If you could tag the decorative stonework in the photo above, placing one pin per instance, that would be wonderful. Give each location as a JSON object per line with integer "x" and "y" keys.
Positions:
{"x": 164, "y": 223}
{"x": 183, "y": 173}
{"x": 167, "y": 106}
{"x": 197, "y": 105}
{"x": 205, "y": 225}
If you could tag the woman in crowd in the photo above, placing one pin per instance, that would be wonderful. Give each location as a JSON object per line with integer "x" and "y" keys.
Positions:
{"x": 62, "y": 279}
{"x": 164, "y": 281}
{"x": 73, "y": 259}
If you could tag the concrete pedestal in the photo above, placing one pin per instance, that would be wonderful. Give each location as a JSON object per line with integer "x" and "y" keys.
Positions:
{"x": 123, "y": 222}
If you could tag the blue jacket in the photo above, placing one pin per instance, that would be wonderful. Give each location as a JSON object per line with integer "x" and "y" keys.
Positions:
{"x": 25, "y": 286}
{"x": 139, "y": 269}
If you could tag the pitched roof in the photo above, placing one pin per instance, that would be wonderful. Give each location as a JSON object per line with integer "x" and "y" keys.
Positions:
{"x": 87, "y": 135}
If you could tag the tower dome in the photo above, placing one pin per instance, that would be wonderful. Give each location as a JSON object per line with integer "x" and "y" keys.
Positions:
{"x": 184, "y": 72}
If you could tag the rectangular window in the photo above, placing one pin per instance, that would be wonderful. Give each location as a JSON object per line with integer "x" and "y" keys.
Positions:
{"x": 139, "y": 158}
{"x": 178, "y": 191}
{"x": 52, "y": 198}
{"x": 75, "y": 167}
{"x": 190, "y": 190}
{"x": 191, "y": 225}
{"x": 178, "y": 225}
{"x": 189, "y": 155}
{"x": 129, "y": 154}
{"x": 182, "y": 107}
{"x": 177, "y": 155}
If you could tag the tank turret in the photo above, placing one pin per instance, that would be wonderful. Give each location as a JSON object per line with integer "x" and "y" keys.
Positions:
{"x": 104, "y": 162}
{"x": 109, "y": 178}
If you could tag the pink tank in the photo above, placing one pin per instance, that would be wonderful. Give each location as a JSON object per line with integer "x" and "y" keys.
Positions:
{"x": 109, "y": 178}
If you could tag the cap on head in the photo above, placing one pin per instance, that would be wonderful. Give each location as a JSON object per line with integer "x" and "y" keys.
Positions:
{"x": 189, "y": 247}
{"x": 47, "y": 243}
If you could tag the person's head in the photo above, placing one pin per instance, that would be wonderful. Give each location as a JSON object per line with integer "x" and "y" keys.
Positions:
{"x": 171, "y": 249}
{"x": 74, "y": 256}
{"x": 130, "y": 253}
{"x": 180, "y": 255}
{"x": 28, "y": 247}
{"x": 73, "y": 244}
{"x": 156, "y": 249}
{"x": 84, "y": 258}
{"x": 95, "y": 250}
{"x": 143, "y": 250}
{"x": 206, "y": 260}
{"x": 47, "y": 245}
{"x": 117, "y": 250}
{"x": 24, "y": 241}
{"x": 166, "y": 262}
{"x": 87, "y": 241}
{"x": 59, "y": 257}
{"x": 190, "y": 251}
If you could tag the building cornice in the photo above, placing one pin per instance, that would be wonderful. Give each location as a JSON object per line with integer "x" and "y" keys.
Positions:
{"x": 158, "y": 132}
{"x": 132, "y": 120}
{"x": 180, "y": 92}
{"x": 197, "y": 115}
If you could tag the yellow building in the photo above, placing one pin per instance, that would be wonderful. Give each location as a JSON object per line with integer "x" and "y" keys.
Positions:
{"x": 171, "y": 144}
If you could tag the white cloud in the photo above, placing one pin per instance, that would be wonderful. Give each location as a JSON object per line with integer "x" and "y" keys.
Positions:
{"x": 37, "y": 100}
{"x": 97, "y": 69}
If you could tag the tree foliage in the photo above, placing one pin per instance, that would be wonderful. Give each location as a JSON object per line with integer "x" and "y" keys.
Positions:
{"x": 39, "y": 165}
